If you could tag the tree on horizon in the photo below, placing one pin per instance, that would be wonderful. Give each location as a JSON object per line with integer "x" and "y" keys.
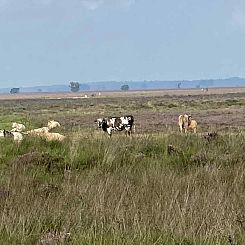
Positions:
{"x": 75, "y": 86}
{"x": 14, "y": 90}
{"x": 125, "y": 87}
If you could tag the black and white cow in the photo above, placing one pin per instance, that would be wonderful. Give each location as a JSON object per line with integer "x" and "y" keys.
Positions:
{"x": 116, "y": 123}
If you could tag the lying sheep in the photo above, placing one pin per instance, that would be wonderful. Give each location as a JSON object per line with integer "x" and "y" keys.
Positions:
{"x": 18, "y": 127}
{"x": 17, "y": 136}
{"x": 53, "y": 124}
{"x": 1, "y": 133}
{"x": 6, "y": 134}
{"x": 53, "y": 136}
{"x": 38, "y": 131}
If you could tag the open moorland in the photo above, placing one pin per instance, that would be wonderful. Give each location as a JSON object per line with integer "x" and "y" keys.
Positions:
{"x": 92, "y": 189}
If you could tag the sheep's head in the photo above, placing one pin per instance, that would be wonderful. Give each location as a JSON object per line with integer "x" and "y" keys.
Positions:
{"x": 2, "y": 133}
{"x": 53, "y": 124}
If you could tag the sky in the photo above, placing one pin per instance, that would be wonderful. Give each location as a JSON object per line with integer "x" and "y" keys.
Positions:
{"x": 47, "y": 42}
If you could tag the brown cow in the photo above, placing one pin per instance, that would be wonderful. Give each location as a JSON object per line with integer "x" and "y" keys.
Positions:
{"x": 187, "y": 123}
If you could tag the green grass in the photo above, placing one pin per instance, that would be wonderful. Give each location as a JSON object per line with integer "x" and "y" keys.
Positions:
{"x": 123, "y": 190}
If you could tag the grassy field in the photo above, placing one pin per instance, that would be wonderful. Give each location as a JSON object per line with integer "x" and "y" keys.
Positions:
{"x": 90, "y": 189}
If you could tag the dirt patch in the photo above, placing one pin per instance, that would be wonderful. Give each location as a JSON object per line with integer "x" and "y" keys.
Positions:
{"x": 148, "y": 121}
{"x": 155, "y": 121}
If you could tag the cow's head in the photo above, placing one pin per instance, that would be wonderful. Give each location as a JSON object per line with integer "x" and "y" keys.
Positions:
{"x": 102, "y": 123}
{"x": 99, "y": 122}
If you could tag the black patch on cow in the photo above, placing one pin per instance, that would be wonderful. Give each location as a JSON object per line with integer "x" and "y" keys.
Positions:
{"x": 130, "y": 120}
{"x": 118, "y": 124}
{"x": 104, "y": 125}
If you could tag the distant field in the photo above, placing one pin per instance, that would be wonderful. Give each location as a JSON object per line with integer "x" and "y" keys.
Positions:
{"x": 153, "y": 110}
{"x": 90, "y": 189}
{"x": 170, "y": 92}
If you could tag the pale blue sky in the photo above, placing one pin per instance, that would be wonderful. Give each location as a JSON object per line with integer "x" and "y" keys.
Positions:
{"x": 54, "y": 41}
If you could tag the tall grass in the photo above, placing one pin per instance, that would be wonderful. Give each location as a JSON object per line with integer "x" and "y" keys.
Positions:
{"x": 94, "y": 190}
{"x": 90, "y": 189}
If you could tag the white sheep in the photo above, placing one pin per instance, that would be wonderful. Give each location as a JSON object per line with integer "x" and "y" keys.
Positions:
{"x": 1, "y": 133}
{"x": 53, "y": 124}
{"x": 38, "y": 131}
{"x": 17, "y": 136}
{"x": 53, "y": 136}
{"x": 18, "y": 127}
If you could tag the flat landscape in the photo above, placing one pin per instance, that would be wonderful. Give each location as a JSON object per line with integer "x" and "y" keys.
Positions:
{"x": 92, "y": 189}
{"x": 219, "y": 108}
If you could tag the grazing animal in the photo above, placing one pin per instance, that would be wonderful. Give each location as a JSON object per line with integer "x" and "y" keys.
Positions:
{"x": 53, "y": 136}
{"x": 99, "y": 122}
{"x": 6, "y": 134}
{"x": 116, "y": 123}
{"x": 1, "y": 133}
{"x": 187, "y": 123}
{"x": 17, "y": 136}
{"x": 18, "y": 127}
{"x": 193, "y": 125}
{"x": 38, "y": 131}
{"x": 53, "y": 124}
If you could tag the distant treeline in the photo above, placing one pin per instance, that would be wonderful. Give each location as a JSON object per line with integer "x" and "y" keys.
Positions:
{"x": 136, "y": 85}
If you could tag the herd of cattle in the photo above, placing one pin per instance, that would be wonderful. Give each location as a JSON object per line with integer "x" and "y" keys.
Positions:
{"x": 126, "y": 123}
{"x": 108, "y": 124}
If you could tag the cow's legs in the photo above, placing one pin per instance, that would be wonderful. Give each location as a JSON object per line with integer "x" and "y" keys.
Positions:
{"x": 109, "y": 131}
{"x": 181, "y": 127}
{"x": 128, "y": 131}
